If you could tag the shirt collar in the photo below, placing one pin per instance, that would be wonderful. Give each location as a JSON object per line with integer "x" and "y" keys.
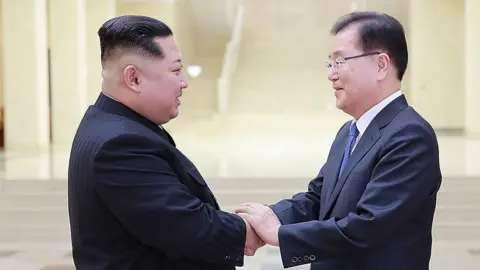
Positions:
{"x": 365, "y": 120}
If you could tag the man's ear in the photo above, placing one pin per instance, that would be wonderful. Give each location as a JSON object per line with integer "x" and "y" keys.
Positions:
{"x": 383, "y": 64}
{"x": 131, "y": 77}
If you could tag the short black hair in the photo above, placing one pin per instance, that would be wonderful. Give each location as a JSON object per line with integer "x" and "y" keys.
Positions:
{"x": 132, "y": 33}
{"x": 378, "y": 31}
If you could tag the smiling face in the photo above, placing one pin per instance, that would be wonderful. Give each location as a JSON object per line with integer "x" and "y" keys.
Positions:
{"x": 164, "y": 82}
{"x": 158, "y": 82}
{"x": 354, "y": 80}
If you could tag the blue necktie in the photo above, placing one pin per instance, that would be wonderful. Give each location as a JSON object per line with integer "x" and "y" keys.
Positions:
{"x": 352, "y": 138}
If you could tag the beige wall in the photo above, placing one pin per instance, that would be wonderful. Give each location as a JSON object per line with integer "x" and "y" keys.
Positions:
{"x": 69, "y": 30}
{"x": 437, "y": 61}
{"x": 440, "y": 82}
{"x": 25, "y": 74}
{"x": 472, "y": 60}
{"x": 68, "y": 67}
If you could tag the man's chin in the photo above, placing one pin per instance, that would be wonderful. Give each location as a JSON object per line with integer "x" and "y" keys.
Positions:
{"x": 339, "y": 104}
{"x": 174, "y": 114}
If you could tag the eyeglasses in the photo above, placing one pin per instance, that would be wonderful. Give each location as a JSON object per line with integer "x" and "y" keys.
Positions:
{"x": 333, "y": 65}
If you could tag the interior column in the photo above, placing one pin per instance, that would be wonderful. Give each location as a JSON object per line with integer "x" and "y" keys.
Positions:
{"x": 472, "y": 61}
{"x": 437, "y": 62}
{"x": 25, "y": 75}
{"x": 68, "y": 68}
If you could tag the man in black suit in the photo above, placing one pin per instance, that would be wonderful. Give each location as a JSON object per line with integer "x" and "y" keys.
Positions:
{"x": 135, "y": 201}
{"x": 372, "y": 204}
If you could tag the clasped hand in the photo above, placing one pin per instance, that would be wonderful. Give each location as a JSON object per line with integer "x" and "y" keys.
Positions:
{"x": 262, "y": 226}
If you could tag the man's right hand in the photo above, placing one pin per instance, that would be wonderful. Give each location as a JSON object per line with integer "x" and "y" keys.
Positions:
{"x": 253, "y": 241}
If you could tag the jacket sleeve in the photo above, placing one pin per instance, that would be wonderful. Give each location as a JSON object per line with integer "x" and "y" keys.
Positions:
{"x": 303, "y": 206}
{"x": 407, "y": 175}
{"x": 137, "y": 184}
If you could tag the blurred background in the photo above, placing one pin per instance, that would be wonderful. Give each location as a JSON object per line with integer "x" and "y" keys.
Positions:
{"x": 258, "y": 118}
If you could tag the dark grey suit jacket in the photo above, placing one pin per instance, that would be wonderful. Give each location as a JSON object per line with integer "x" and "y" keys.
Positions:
{"x": 379, "y": 213}
{"x": 136, "y": 202}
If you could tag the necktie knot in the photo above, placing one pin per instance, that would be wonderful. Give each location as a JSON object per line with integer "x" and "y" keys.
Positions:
{"x": 353, "y": 130}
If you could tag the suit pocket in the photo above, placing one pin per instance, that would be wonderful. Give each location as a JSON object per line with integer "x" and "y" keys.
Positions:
{"x": 195, "y": 174}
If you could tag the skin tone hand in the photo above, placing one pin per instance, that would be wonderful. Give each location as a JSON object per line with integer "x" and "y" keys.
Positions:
{"x": 262, "y": 219}
{"x": 253, "y": 241}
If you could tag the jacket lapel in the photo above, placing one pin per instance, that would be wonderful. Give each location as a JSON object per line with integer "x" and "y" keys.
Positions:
{"x": 368, "y": 139}
{"x": 336, "y": 160}
{"x": 167, "y": 136}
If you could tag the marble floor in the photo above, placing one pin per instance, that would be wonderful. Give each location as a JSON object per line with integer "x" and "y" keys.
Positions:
{"x": 241, "y": 164}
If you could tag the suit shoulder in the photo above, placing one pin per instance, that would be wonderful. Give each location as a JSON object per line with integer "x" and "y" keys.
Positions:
{"x": 128, "y": 142}
{"x": 98, "y": 128}
{"x": 105, "y": 125}
{"x": 411, "y": 120}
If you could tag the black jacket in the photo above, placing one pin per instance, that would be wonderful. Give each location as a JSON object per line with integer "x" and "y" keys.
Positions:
{"x": 136, "y": 202}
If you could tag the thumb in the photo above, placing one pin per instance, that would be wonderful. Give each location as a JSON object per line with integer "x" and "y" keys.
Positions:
{"x": 243, "y": 215}
{"x": 246, "y": 217}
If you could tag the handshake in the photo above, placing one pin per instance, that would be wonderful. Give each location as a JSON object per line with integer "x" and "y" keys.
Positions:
{"x": 262, "y": 226}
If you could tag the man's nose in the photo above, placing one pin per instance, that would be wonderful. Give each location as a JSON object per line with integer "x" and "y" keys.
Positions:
{"x": 184, "y": 82}
{"x": 332, "y": 75}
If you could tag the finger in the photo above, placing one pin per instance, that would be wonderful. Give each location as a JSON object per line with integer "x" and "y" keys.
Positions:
{"x": 252, "y": 205}
{"x": 243, "y": 204}
{"x": 250, "y": 251}
{"x": 249, "y": 218}
{"x": 244, "y": 209}
{"x": 243, "y": 215}
{"x": 259, "y": 242}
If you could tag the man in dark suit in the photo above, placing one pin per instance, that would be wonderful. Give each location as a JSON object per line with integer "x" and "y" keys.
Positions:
{"x": 372, "y": 204}
{"x": 135, "y": 201}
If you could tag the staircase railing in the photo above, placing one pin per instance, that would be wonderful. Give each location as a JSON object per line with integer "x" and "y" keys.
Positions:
{"x": 230, "y": 61}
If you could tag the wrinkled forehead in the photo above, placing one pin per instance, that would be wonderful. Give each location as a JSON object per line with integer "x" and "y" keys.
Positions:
{"x": 345, "y": 43}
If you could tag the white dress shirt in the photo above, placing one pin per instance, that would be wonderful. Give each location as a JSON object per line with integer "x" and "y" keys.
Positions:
{"x": 364, "y": 121}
